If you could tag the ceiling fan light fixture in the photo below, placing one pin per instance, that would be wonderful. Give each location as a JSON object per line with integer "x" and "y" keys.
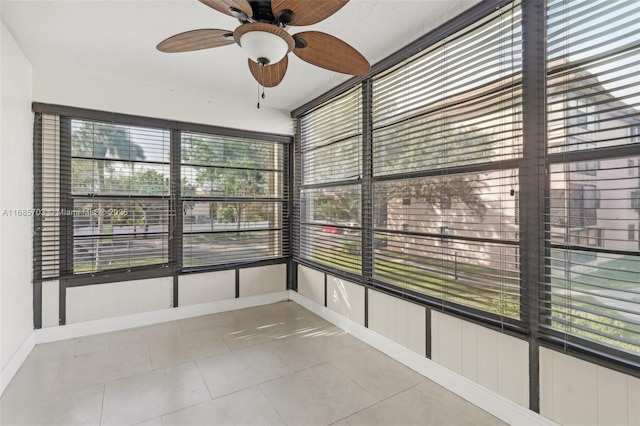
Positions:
{"x": 264, "y": 47}
{"x": 263, "y": 43}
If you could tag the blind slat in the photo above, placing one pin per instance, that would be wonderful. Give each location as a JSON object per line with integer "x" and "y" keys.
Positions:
{"x": 592, "y": 281}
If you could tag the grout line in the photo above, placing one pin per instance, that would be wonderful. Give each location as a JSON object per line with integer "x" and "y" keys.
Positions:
{"x": 104, "y": 393}
{"x": 271, "y": 402}
{"x": 203, "y": 378}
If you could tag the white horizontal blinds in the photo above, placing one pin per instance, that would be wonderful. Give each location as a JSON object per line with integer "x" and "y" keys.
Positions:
{"x": 593, "y": 66}
{"x": 331, "y": 140}
{"x": 330, "y": 190}
{"x": 332, "y": 231}
{"x": 120, "y": 194}
{"x": 50, "y": 189}
{"x": 232, "y": 190}
{"x": 592, "y": 285}
{"x": 454, "y": 103}
{"x": 445, "y": 124}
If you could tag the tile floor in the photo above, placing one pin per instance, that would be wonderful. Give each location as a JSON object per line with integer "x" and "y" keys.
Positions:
{"x": 274, "y": 365}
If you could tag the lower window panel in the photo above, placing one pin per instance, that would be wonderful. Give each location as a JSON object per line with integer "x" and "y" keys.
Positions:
{"x": 481, "y": 275}
{"x": 204, "y": 249}
{"x": 594, "y": 296}
{"x": 336, "y": 246}
{"x": 118, "y": 251}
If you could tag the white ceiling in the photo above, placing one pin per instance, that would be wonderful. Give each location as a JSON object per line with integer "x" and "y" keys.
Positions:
{"x": 117, "y": 38}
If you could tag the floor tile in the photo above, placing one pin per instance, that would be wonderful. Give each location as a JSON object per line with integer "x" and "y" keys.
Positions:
{"x": 380, "y": 375}
{"x": 264, "y": 326}
{"x": 253, "y": 332}
{"x": 84, "y": 370}
{"x": 156, "y": 421}
{"x": 309, "y": 350}
{"x": 410, "y": 407}
{"x": 32, "y": 382}
{"x": 233, "y": 371}
{"x": 246, "y": 407}
{"x": 205, "y": 322}
{"x": 317, "y": 396}
{"x": 282, "y": 310}
{"x": 262, "y": 365}
{"x": 186, "y": 347}
{"x": 65, "y": 408}
{"x": 52, "y": 351}
{"x": 148, "y": 395}
{"x": 456, "y": 405}
{"x": 144, "y": 334}
{"x": 91, "y": 344}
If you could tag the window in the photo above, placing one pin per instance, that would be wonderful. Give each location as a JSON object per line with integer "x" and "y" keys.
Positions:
{"x": 582, "y": 205}
{"x": 582, "y": 115}
{"x": 593, "y": 264}
{"x": 329, "y": 190}
{"x": 232, "y": 199}
{"x": 120, "y": 196}
{"x": 447, "y": 177}
{"x": 109, "y": 192}
{"x": 635, "y": 200}
{"x": 450, "y": 118}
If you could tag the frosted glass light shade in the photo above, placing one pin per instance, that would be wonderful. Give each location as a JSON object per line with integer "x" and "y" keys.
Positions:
{"x": 261, "y": 44}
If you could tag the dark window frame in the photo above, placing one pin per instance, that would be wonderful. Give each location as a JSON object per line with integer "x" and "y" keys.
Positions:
{"x": 534, "y": 247}
{"x": 173, "y": 265}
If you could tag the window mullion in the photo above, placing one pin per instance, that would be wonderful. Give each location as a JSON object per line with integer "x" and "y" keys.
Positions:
{"x": 175, "y": 202}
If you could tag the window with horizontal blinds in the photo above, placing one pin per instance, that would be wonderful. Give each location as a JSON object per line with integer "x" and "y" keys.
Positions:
{"x": 106, "y": 194}
{"x": 47, "y": 221}
{"x": 592, "y": 285}
{"x": 329, "y": 197}
{"x": 447, "y": 139}
{"x": 232, "y": 192}
{"x": 120, "y": 194}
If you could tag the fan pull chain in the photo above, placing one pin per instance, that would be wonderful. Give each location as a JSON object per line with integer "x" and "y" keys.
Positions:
{"x": 258, "y": 95}
{"x": 261, "y": 78}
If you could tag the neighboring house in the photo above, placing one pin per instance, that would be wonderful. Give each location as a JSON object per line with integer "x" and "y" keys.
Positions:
{"x": 588, "y": 206}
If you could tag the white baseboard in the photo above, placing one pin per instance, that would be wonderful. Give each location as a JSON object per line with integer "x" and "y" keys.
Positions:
{"x": 497, "y": 405}
{"x": 12, "y": 367}
{"x": 71, "y": 331}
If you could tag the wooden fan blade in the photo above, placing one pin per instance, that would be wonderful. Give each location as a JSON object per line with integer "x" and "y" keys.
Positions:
{"x": 269, "y": 75}
{"x": 225, "y": 5}
{"x": 326, "y": 51}
{"x": 307, "y": 12}
{"x": 196, "y": 40}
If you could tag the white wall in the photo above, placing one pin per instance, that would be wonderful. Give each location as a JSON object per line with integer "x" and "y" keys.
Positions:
{"x": 16, "y": 183}
{"x": 72, "y": 88}
{"x": 346, "y": 298}
{"x": 311, "y": 284}
{"x": 494, "y": 360}
{"x": 399, "y": 320}
{"x": 263, "y": 280}
{"x": 194, "y": 289}
{"x": 576, "y": 392}
{"x": 100, "y": 301}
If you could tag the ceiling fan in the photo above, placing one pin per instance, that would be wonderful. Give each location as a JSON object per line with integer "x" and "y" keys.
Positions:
{"x": 262, "y": 35}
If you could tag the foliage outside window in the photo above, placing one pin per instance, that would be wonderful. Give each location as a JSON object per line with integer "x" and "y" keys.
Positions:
{"x": 120, "y": 193}
{"x": 109, "y": 198}
{"x": 232, "y": 192}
